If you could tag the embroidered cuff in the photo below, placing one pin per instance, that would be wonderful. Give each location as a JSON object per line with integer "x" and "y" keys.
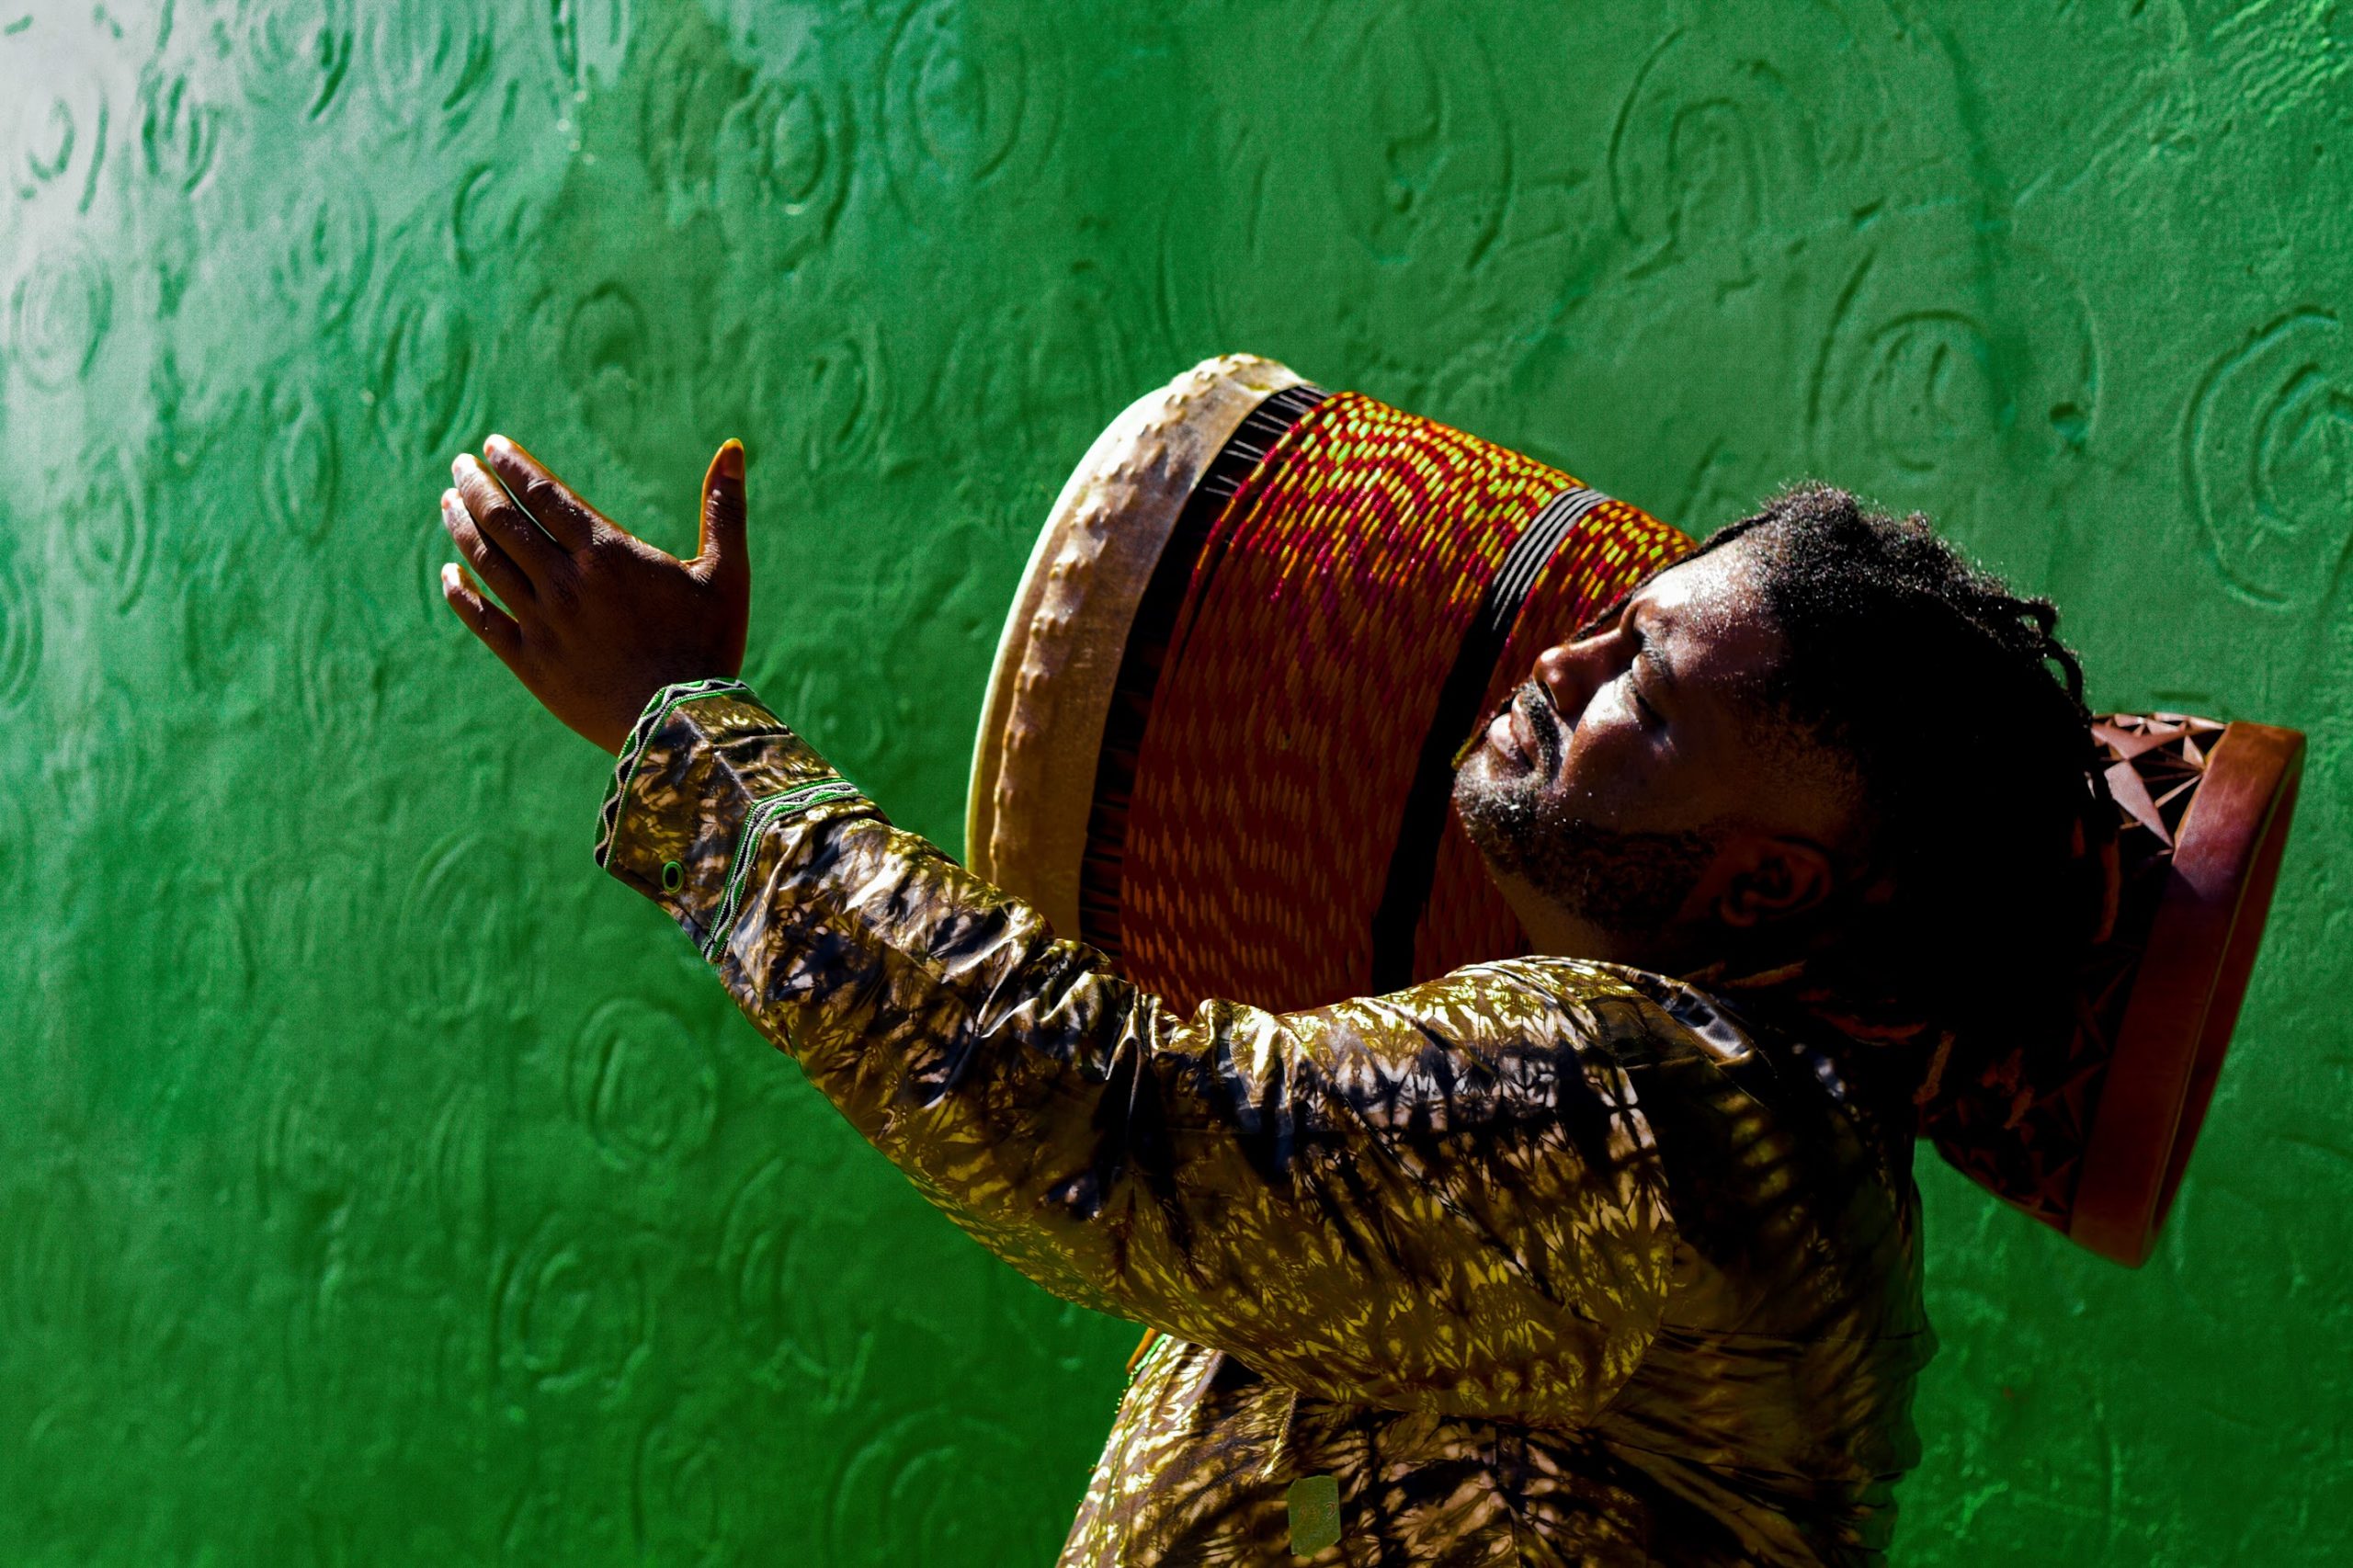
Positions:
{"x": 706, "y": 779}
{"x": 659, "y": 708}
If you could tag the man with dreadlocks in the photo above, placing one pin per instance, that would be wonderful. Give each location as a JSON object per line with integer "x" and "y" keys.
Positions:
{"x": 1606, "y": 1254}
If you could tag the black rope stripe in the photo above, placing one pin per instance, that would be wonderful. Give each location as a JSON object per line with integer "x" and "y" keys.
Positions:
{"x": 1102, "y": 872}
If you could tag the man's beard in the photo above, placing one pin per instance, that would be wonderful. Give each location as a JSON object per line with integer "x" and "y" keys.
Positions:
{"x": 1631, "y": 884}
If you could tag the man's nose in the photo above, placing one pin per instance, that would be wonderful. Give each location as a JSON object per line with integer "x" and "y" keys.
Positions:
{"x": 1572, "y": 672}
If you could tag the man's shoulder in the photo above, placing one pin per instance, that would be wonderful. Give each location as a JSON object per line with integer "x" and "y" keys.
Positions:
{"x": 1722, "y": 1087}
{"x": 1637, "y": 1015}
{"x": 1707, "y": 1076}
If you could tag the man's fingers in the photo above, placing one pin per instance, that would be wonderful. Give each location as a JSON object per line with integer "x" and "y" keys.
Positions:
{"x": 505, "y": 579}
{"x": 503, "y": 522}
{"x": 569, "y": 520}
{"x": 723, "y": 557}
{"x": 487, "y": 620}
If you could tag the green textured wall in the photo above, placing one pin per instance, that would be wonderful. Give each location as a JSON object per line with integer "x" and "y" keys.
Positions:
{"x": 379, "y": 1184}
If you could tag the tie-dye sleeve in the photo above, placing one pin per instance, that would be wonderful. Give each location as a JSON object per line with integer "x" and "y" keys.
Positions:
{"x": 1444, "y": 1198}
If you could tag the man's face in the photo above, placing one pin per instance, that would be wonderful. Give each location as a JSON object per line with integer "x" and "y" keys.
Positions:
{"x": 1633, "y": 780}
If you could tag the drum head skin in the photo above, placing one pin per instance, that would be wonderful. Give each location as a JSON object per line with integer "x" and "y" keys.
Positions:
{"x": 1260, "y": 620}
{"x": 1041, "y": 723}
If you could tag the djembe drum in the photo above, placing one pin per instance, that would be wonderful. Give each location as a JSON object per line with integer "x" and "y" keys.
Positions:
{"x": 1220, "y": 735}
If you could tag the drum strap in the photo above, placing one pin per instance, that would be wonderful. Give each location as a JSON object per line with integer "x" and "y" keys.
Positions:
{"x": 1412, "y": 864}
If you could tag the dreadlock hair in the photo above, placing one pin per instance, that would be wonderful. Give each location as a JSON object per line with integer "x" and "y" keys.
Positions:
{"x": 1959, "y": 719}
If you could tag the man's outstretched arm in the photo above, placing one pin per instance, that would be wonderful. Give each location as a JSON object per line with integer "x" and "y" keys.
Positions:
{"x": 1444, "y": 1198}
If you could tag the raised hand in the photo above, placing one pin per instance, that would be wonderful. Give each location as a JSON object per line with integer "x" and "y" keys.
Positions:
{"x": 596, "y": 621}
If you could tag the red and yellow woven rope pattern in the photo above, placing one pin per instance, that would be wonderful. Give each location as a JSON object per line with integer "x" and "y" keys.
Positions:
{"x": 1308, "y": 658}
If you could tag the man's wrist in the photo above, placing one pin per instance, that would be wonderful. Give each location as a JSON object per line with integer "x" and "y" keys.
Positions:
{"x": 650, "y": 719}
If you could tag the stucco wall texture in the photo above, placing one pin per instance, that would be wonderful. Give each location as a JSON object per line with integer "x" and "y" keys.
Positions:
{"x": 379, "y": 1184}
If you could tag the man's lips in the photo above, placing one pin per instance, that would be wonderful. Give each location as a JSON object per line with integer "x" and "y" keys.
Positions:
{"x": 1522, "y": 731}
{"x": 1503, "y": 735}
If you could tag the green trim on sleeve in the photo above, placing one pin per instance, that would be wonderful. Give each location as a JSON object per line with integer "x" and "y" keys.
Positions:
{"x": 648, "y": 723}
{"x": 765, "y": 812}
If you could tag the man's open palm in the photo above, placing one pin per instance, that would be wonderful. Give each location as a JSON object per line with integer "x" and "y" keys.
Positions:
{"x": 596, "y": 621}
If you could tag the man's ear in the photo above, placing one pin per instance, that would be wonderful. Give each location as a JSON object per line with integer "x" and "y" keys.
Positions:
{"x": 1760, "y": 878}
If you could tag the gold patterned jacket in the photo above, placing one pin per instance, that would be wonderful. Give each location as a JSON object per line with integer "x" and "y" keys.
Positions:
{"x": 1545, "y": 1262}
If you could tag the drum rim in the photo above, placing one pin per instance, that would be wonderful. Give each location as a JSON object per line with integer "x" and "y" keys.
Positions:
{"x": 1026, "y": 804}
